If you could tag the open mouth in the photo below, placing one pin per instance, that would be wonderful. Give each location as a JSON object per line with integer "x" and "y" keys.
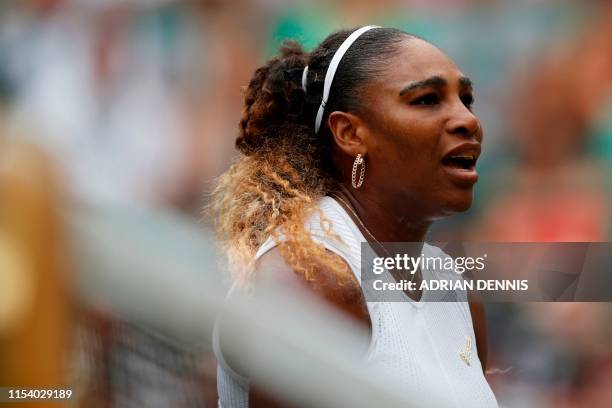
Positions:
{"x": 460, "y": 161}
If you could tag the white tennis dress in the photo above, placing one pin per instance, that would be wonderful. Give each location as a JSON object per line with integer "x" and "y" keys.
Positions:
{"x": 418, "y": 342}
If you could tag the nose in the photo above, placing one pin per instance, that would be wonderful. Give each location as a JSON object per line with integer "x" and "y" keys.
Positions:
{"x": 465, "y": 124}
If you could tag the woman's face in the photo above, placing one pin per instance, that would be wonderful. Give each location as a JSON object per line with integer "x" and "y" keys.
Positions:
{"x": 421, "y": 136}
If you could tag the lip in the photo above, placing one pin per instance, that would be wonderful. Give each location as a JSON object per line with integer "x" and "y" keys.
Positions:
{"x": 463, "y": 176}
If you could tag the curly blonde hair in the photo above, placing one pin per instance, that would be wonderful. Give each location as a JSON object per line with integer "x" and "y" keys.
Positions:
{"x": 285, "y": 167}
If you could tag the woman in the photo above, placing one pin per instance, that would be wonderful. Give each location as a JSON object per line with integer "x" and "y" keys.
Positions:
{"x": 370, "y": 137}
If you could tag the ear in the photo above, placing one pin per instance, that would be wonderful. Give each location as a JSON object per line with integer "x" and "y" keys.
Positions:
{"x": 349, "y": 132}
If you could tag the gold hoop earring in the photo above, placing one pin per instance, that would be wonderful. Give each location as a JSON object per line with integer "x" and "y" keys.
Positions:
{"x": 358, "y": 161}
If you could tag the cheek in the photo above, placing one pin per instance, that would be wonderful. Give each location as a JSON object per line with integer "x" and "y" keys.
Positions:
{"x": 408, "y": 167}
{"x": 416, "y": 150}
{"x": 407, "y": 150}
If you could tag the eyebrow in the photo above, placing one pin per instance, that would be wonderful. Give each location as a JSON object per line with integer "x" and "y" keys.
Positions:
{"x": 435, "y": 81}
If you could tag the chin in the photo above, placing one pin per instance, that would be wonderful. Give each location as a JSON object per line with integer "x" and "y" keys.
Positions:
{"x": 460, "y": 201}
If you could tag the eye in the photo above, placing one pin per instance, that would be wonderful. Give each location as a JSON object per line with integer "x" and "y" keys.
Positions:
{"x": 428, "y": 100}
{"x": 468, "y": 100}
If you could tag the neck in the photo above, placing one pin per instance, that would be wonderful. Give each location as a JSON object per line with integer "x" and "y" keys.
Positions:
{"x": 384, "y": 217}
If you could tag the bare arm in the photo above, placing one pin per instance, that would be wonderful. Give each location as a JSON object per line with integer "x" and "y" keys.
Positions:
{"x": 272, "y": 266}
{"x": 479, "y": 322}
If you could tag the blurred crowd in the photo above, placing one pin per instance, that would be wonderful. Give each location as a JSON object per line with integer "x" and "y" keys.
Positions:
{"x": 136, "y": 104}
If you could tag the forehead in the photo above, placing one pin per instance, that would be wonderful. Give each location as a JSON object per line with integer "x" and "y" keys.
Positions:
{"x": 415, "y": 61}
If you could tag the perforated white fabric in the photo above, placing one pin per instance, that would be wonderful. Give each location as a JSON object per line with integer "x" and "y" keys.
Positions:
{"x": 418, "y": 343}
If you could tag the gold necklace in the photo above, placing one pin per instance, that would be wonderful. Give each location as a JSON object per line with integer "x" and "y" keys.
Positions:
{"x": 350, "y": 208}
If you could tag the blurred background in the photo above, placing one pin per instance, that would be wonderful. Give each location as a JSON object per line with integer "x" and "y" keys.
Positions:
{"x": 117, "y": 115}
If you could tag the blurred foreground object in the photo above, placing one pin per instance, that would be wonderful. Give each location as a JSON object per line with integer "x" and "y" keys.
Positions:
{"x": 35, "y": 308}
{"x": 154, "y": 274}
{"x": 147, "y": 294}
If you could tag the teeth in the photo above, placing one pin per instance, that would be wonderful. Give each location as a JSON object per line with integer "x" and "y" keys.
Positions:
{"x": 466, "y": 157}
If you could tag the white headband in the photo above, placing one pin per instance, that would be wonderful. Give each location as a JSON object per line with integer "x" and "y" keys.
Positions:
{"x": 331, "y": 71}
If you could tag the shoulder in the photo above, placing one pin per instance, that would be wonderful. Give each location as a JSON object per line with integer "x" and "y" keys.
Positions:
{"x": 271, "y": 267}
{"x": 329, "y": 218}
{"x": 328, "y": 225}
